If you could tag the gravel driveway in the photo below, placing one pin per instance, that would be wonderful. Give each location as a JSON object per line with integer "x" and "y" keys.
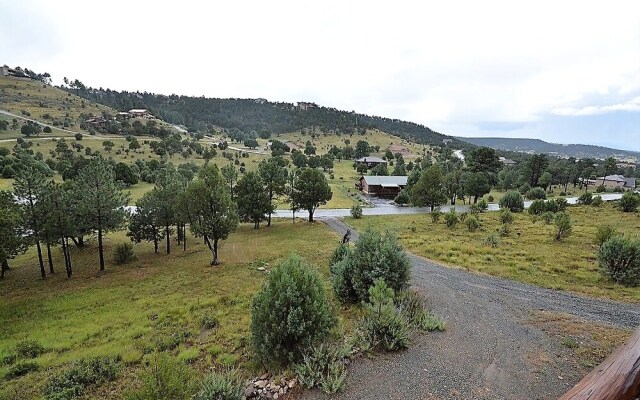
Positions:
{"x": 488, "y": 350}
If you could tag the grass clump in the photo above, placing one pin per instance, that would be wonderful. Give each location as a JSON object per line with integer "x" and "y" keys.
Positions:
{"x": 384, "y": 326}
{"x": 209, "y": 321}
{"x": 506, "y": 216}
{"x": 473, "y": 224}
{"x": 322, "y": 367}
{"x": 435, "y": 215}
{"x": 492, "y": 241}
{"x": 411, "y": 306}
{"x": 451, "y": 218}
{"x": 29, "y": 349}
{"x": 164, "y": 378}
{"x": 20, "y": 369}
{"x": 79, "y": 376}
{"x": 290, "y": 313}
{"x": 604, "y": 233}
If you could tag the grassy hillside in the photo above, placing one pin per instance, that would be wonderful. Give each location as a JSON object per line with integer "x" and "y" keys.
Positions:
{"x": 45, "y": 103}
{"x": 133, "y": 309}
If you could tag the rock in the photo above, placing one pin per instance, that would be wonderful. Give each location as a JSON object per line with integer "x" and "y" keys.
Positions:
{"x": 249, "y": 391}
{"x": 275, "y": 396}
{"x": 292, "y": 383}
{"x": 264, "y": 377}
{"x": 261, "y": 269}
{"x": 261, "y": 384}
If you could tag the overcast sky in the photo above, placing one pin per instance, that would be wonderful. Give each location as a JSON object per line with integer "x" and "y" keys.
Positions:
{"x": 561, "y": 71}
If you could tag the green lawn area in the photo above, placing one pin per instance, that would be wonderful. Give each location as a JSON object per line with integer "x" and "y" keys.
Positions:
{"x": 129, "y": 309}
{"x": 529, "y": 254}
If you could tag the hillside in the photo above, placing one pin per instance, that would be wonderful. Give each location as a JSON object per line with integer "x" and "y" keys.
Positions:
{"x": 561, "y": 150}
{"x": 259, "y": 115}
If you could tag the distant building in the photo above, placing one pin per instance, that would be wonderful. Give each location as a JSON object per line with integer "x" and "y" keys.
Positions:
{"x": 260, "y": 100}
{"x": 294, "y": 146}
{"x": 97, "y": 122}
{"x": 304, "y": 106}
{"x": 447, "y": 141}
{"x": 381, "y": 186}
{"x": 5, "y": 70}
{"x": 626, "y": 164}
{"x": 140, "y": 113}
{"x": 614, "y": 181}
{"x": 507, "y": 162}
{"x": 371, "y": 161}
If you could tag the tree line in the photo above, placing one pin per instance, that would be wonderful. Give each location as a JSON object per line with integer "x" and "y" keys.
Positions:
{"x": 43, "y": 213}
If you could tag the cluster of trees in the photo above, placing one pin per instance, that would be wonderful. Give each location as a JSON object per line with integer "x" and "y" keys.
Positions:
{"x": 248, "y": 115}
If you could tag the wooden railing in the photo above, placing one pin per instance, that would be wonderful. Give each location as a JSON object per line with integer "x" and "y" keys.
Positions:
{"x": 617, "y": 378}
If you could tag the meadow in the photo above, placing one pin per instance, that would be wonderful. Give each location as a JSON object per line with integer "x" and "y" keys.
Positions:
{"x": 528, "y": 254}
{"x": 175, "y": 303}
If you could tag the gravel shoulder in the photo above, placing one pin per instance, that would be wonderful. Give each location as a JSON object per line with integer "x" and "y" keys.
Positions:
{"x": 489, "y": 350}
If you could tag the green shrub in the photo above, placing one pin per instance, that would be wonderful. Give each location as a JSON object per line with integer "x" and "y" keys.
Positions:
{"x": 629, "y": 202}
{"x": 20, "y": 369}
{"x": 411, "y": 306}
{"x": 604, "y": 233}
{"x": 451, "y": 218}
{"x": 556, "y": 205}
{"x": 506, "y": 216}
{"x": 188, "y": 356}
{"x": 29, "y": 349}
{"x": 209, "y": 321}
{"x": 356, "y": 211}
{"x": 537, "y": 207}
{"x": 435, "y": 215}
{"x": 123, "y": 253}
{"x": 619, "y": 257}
{"x": 463, "y": 216}
{"x": 597, "y": 201}
{"x": 483, "y": 205}
{"x": 290, "y": 313}
{"x": 165, "y": 378}
{"x": 504, "y": 230}
{"x": 474, "y": 209}
{"x": 383, "y": 325}
{"x": 562, "y": 221}
{"x": 322, "y": 367}
{"x": 548, "y": 217}
{"x": 513, "y": 201}
{"x": 79, "y": 136}
{"x": 585, "y": 198}
{"x": 490, "y": 199}
{"x": 601, "y": 189}
{"x": 374, "y": 257}
{"x": 473, "y": 224}
{"x": 339, "y": 254}
{"x": 79, "y": 376}
{"x": 536, "y": 193}
{"x": 491, "y": 241}
{"x": 402, "y": 198}
{"x": 221, "y": 386}
{"x": 524, "y": 188}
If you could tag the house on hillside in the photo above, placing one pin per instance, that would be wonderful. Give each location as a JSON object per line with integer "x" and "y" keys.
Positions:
{"x": 626, "y": 164}
{"x": 447, "y": 141}
{"x": 396, "y": 148}
{"x": 507, "y": 162}
{"x": 381, "y": 186}
{"x": 294, "y": 146}
{"x": 140, "y": 113}
{"x": 96, "y": 122}
{"x": 371, "y": 161}
{"x": 304, "y": 106}
{"x": 5, "y": 70}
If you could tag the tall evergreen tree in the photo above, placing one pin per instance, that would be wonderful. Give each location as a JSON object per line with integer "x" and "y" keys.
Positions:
{"x": 274, "y": 177}
{"x": 429, "y": 191}
{"x": 100, "y": 200}
{"x": 59, "y": 222}
{"x": 29, "y": 187}
{"x": 230, "y": 174}
{"x": 143, "y": 224}
{"x": 169, "y": 184}
{"x": 310, "y": 191}
{"x": 253, "y": 200}
{"x": 211, "y": 212}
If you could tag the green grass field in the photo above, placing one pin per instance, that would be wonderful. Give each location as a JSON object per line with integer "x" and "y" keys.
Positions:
{"x": 129, "y": 309}
{"x": 529, "y": 254}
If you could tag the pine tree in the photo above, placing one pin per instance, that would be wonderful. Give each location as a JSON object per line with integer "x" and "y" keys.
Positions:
{"x": 253, "y": 200}
{"x": 211, "y": 213}
{"x": 28, "y": 187}
{"x": 60, "y": 224}
{"x": 169, "y": 184}
{"x": 100, "y": 200}
{"x": 311, "y": 189}
{"x": 274, "y": 177}
{"x": 11, "y": 222}
{"x": 143, "y": 224}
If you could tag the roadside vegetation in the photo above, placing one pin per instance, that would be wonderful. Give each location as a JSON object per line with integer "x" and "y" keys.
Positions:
{"x": 525, "y": 249}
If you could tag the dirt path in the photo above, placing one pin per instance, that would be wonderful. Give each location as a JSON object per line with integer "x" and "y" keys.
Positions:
{"x": 489, "y": 350}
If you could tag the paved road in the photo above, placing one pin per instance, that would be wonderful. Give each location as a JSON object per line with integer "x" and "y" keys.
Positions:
{"x": 488, "y": 350}
{"x": 388, "y": 209}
